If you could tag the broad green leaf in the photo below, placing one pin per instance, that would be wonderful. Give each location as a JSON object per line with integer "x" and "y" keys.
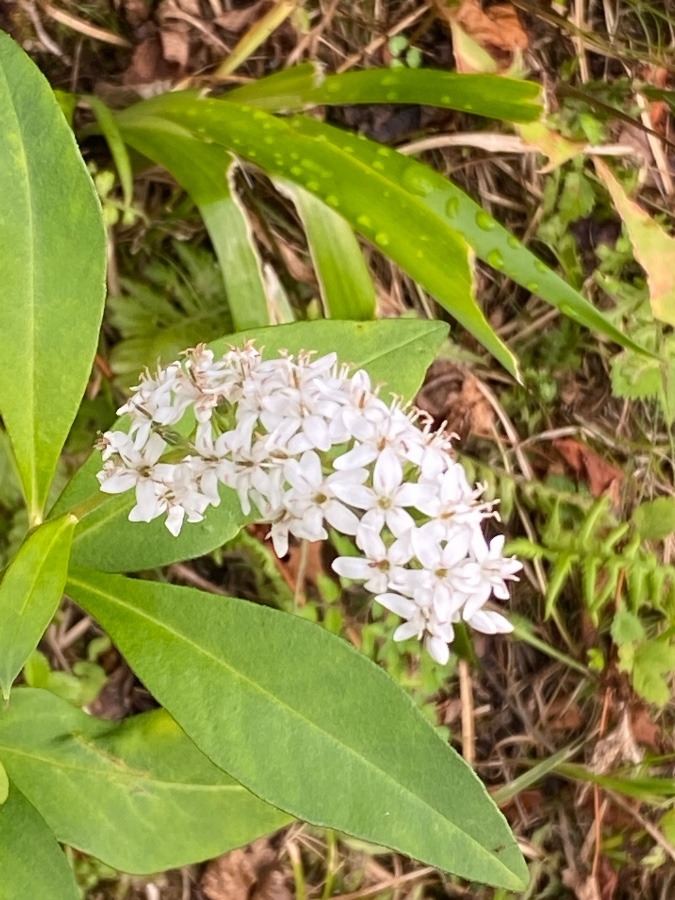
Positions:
{"x": 653, "y": 247}
{"x": 207, "y": 175}
{"x": 484, "y": 95}
{"x": 655, "y": 519}
{"x": 487, "y": 238}
{"x": 136, "y": 794}
{"x": 347, "y": 290}
{"x": 395, "y": 352}
{"x": 52, "y": 264}
{"x": 381, "y": 202}
{"x": 306, "y": 722}
{"x": 30, "y": 592}
{"x": 32, "y": 864}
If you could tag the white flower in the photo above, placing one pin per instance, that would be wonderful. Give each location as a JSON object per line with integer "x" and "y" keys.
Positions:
{"x": 448, "y": 578}
{"x": 386, "y": 501}
{"x": 154, "y": 401}
{"x": 313, "y": 493}
{"x": 422, "y": 623}
{"x": 137, "y": 466}
{"x": 311, "y": 445}
{"x": 495, "y": 571}
{"x": 381, "y": 568}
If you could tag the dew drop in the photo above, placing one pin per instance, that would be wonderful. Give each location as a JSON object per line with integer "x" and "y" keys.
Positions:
{"x": 332, "y": 200}
{"x": 378, "y": 165}
{"x": 268, "y": 140}
{"x": 452, "y": 207}
{"x": 567, "y": 309}
{"x": 513, "y": 242}
{"x": 389, "y": 80}
{"x": 468, "y": 106}
{"x": 332, "y": 86}
{"x": 363, "y": 221}
{"x": 485, "y": 221}
{"x": 259, "y": 114}
{"x": 416, "y": 181}
{"x": 533, "y": 286}
{"x": 391, "y": 96}
{"x": 313, "y": 185}
{"x": 540, "y": 266}
{"x": 495, "y": 259}
{"x": 445, "y": 99}
{"x": 420, "y": 254}
{"x": 295, "y": 155}
{"x": 381, "y": 239}
{"x": 383, "y": 151}
{"x": 296, "y": 170}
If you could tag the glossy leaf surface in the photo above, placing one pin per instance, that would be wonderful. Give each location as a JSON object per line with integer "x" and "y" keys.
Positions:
{"x": 396, "y": 353}
{"x": 30, "y": 592}
{"x": 52, "y": 263}
{"x": 484, "y": 95}
{"x": 360, "y": 759}
{"x": 136, "y": 794}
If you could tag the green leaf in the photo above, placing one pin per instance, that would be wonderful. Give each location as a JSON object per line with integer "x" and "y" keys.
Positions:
{"x": 384, "y": 201}
{"x": 626, "y": 627}
{"x": 489, "y": 240}
{"x": 485, "y": 95}
{"x": 137, "y": 794}
{"x": 655, "y": 519}
{"x": 653, "y": 666}
{"x": 394, "y": 352}
{"x": 52, "y": 264}
{"x": 207, "y": 174}
{"x": 31, "y": 860}
{"x": 347, "y": 289}
{"x": 306, "y": 722}
{"x": 118, "y": 150}
{"x": 30, "y": 592}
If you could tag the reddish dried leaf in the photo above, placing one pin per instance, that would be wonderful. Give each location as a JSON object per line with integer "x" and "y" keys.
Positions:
{"x": 601, "y": 476}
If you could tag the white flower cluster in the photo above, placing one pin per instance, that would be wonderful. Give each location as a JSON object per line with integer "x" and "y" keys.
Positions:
{"x": 311, "y": 444}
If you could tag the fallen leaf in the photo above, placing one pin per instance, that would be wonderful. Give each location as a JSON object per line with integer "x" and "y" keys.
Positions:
{"x": 602, "y": 477}
{"x": 490, "y": 40}
{"x": 653, "y": 247}
{"x": 245, "y": 874}
{"x": 452, "y": 395}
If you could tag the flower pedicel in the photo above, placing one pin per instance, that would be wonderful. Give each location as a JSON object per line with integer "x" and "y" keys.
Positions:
{"x": 310, "y": 444}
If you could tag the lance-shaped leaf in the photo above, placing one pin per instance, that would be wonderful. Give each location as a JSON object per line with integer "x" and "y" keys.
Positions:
{"x": 137, "y": 794}
{"x": 31, "y": 861}
{"x": 207, "y": 174}
{"x": 52, "y": 263}
{"x": 484, "y": 95}
{"x": 306, "y": 722}
{"x": 396, "y": 353}
{"x": 30, "y": 592}
{"x": 385, "y": 208}
{"x": 347, "y": 290}
{"x": 489, "y": 240}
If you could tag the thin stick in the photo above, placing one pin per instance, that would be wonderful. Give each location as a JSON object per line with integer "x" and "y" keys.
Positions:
{"x": 468, "y": 719}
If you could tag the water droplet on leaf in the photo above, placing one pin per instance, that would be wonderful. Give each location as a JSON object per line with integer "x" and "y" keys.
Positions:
{"x": 485, "y": 221}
